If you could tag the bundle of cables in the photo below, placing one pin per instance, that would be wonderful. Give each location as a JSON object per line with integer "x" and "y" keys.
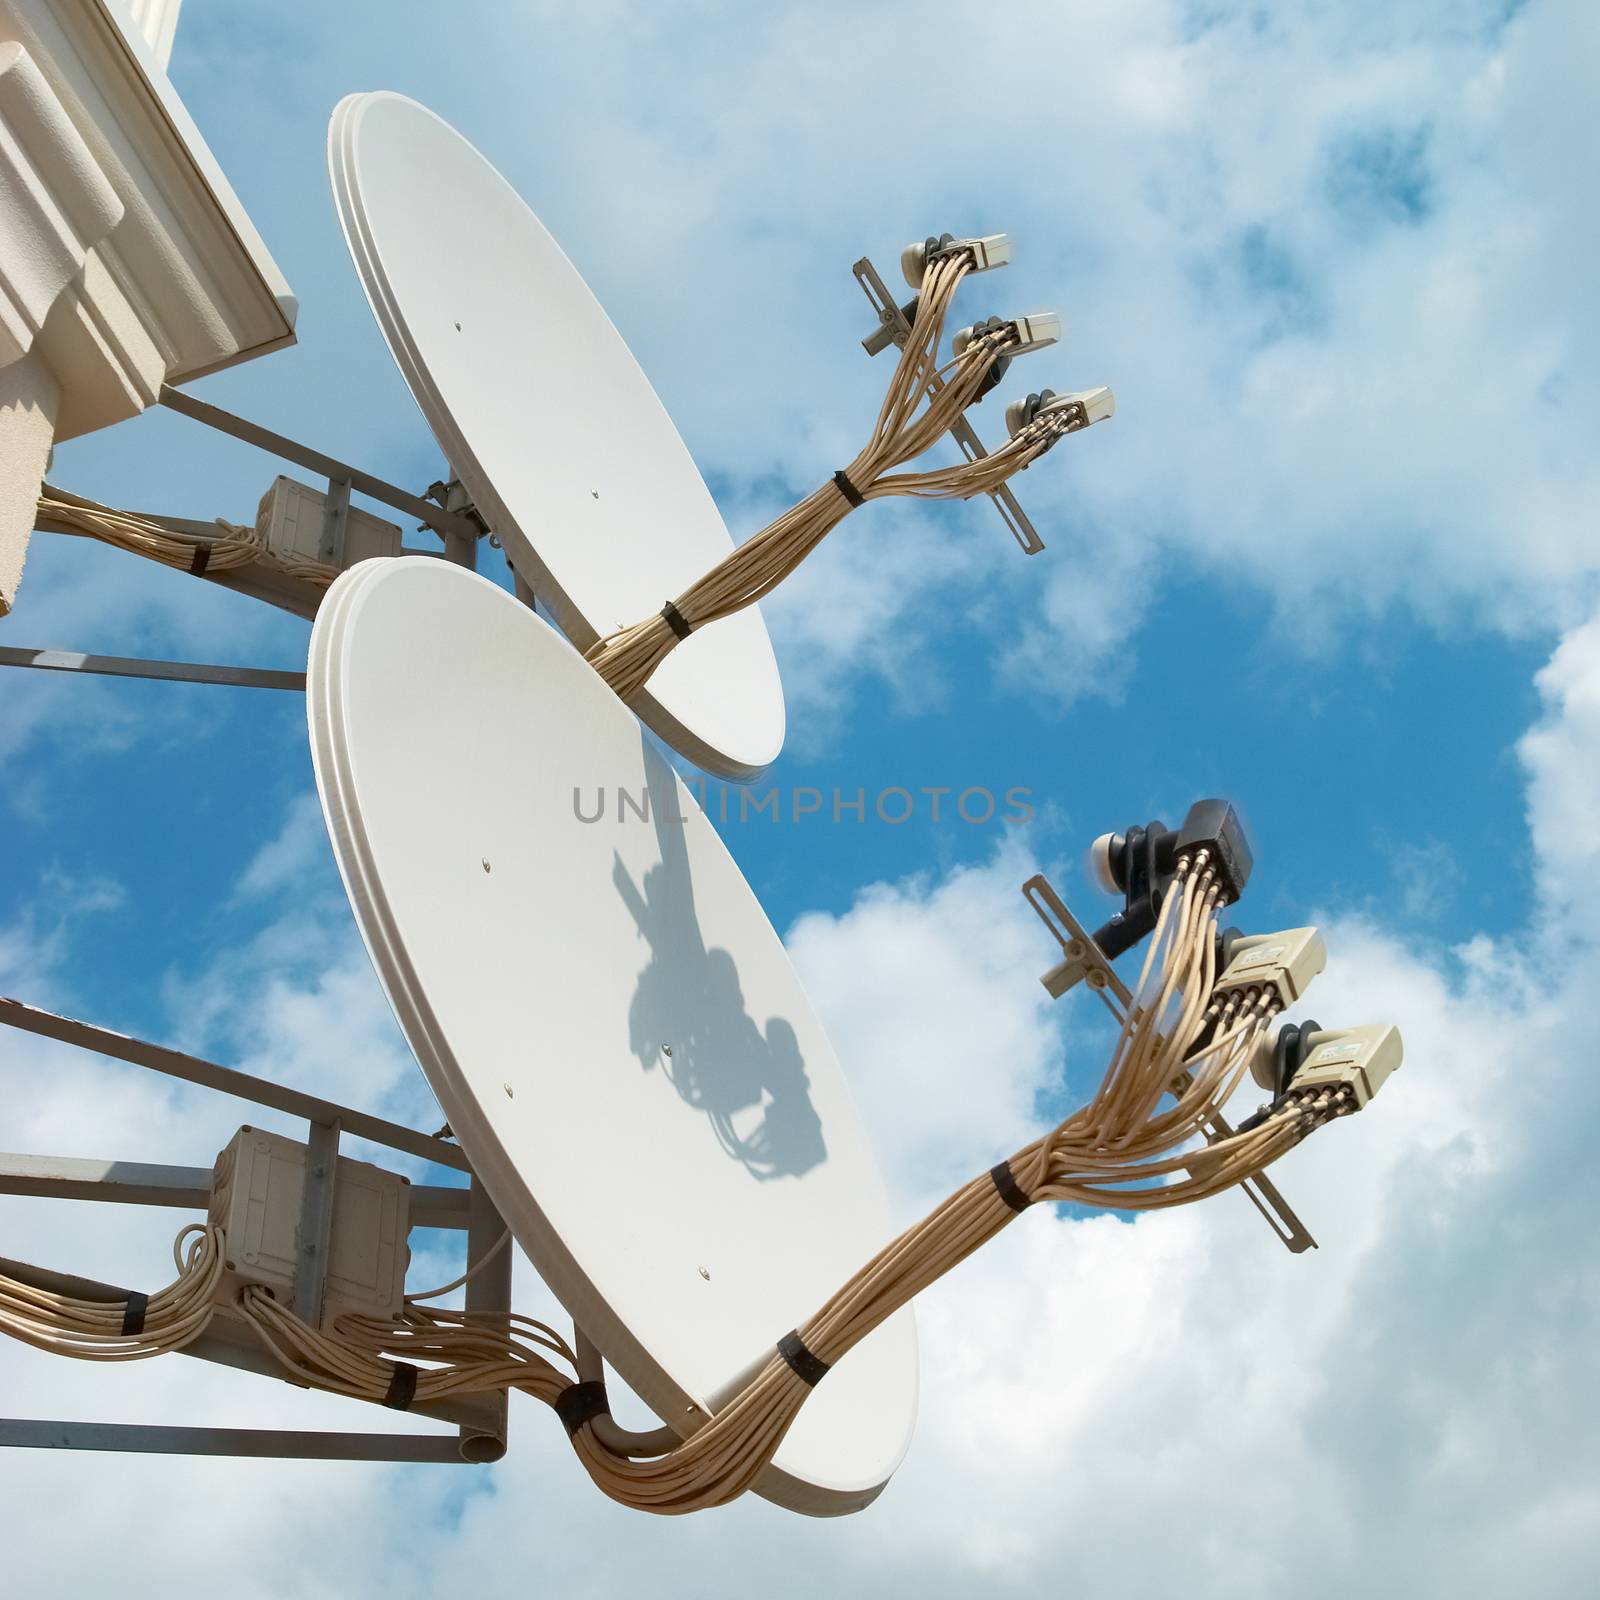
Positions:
{"x": 905, "y": 429}
{"x": 116, "y": 1330}
{"x": 1120, "y": 1150}
{"x": 1182, "y": 1036}
{"x": 230, "y": 547}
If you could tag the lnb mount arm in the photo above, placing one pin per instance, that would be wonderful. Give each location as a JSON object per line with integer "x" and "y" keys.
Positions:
{"x": 1141, "y": 861}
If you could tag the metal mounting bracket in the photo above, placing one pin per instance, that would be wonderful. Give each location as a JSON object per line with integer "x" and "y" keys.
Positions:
{"x": 341, "y": 477}
{"x": 1083, "y": 960}
{"x": 453, "y": 496}
{"x": 480, "y": 1421}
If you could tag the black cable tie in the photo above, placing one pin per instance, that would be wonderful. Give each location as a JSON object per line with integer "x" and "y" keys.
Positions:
{"x": 133, "y": 1317}
{"x": 402, "y": 1387}
{"x": 200, "y": 560}
{"x": 676, "y": 620}
{"x": 848, "y": 490}
{"x": 579, "y": 1402}
{"x": 805, "y": 1366}
{"x": 1005, "y": 1184}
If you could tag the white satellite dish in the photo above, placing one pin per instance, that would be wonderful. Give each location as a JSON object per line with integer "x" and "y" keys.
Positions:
{"x": 547, "y": 418}
{"x": 608, "y": 1019}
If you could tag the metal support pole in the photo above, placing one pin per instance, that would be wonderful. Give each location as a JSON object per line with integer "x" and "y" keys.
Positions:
{"x": 314, "y": 1236}
{"x": 139, "y": 1183}
{"x": 146, "y": 1183}
{"x": 488, "y": 1290}
{"x": 157, "y": 1058}
{"x": 462, "y": 551}
{"x": 335, "y": 522}
{"x": 135, "y": 667}
{"x": 438, "y": 1448}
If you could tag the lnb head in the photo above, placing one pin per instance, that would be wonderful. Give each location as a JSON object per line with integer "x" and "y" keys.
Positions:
{"x": 1213, "y": 827}
{"x": 990, "y": 251}
{"x": 1344, "y": 1067}
{"x": 1347, "y": 1066}
{"x": 1140, "y": 862}
{"x": 1080, "y": 410}
{"x": 1036, "y": 331}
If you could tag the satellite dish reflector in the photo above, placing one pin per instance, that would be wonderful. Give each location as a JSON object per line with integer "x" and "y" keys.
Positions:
{"x": 611, "y": 1025}
{"x": 546, "y": 417}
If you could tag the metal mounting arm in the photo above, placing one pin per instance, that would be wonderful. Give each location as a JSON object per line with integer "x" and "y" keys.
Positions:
{"x": 1084, "y": 960}
{"x": 895, "y": 329}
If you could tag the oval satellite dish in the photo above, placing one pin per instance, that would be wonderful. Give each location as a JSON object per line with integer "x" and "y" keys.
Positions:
{"x": 611, "y": 1025}
{"x": 548, "y": 420}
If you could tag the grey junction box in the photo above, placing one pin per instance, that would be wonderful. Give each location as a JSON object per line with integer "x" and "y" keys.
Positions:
{"x": 256, "y": 1199}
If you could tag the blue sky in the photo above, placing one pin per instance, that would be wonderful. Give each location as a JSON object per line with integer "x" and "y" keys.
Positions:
{"x": 1335, "y": 558}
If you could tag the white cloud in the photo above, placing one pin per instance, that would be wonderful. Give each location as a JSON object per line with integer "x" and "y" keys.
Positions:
{"x": 36, "y": 941}
{"x": 931, "y": 989}
{"x": 297, "y": 1001}
{"x": 1564, "y": 801}
{"x": 291, "y": 857}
